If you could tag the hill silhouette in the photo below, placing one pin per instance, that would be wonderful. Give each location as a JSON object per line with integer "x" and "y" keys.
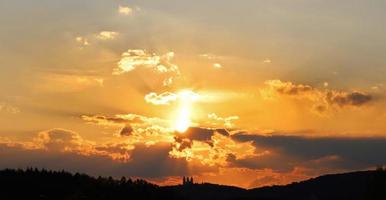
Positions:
{"x": 42, "y": 184}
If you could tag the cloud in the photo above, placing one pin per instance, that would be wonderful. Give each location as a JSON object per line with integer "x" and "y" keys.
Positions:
{"x": 107, "y": 35}
{"x": 144, "y": 159}
{"x": 267, "y": 61}
{"x": 209, "y": 147}
{"x": 167, "y": 98}
{"x": 288, "y": 88}
{"x": 201, "y": 134}
{"x": 141, "y": 163}
{"x": 210, "y": 56}
{"x": 161, "y": 99}
{"x": 348, "y": 99}
{"x": 61, "y": 140}
{"x": 217, "y": 65}
{"x": 117, "y": 120}
{"x": 201, "y": 152}
{"x": 82, "y": 41}
{"x": 336, "y": 153}
{"x": 122, "y": 119}
{"x": 167, "y": 81}
{"x": 323, "y": 99}
{"x": 226, "y": 121}
{"x": 7, "y": 108}
{"x": 136, "y": 129}
{"x": 282, "y": 154}
{"x": 133, "y": 58}
{"x": 161, "y": 64}
{"x": 125, "y": 10}
{"x": 126, "y": 131}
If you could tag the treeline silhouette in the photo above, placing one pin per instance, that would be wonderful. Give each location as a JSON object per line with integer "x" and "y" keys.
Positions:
{"x": 43, "y": 184}
{"x": 32, "y": 183}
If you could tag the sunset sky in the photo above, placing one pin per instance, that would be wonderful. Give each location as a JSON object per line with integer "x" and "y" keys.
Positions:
{"x": 245, "y": 93}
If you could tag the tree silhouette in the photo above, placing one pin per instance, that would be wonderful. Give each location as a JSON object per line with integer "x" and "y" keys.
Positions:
{"x": 35, "y": 184}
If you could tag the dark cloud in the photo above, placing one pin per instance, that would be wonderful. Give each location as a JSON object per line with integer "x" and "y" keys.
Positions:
{"x": 344, "y": 99}
{"x": 126, "y": 131}
{"x": 323, "y": 98}
{"x": 202, "y": 134}
{"x": 278, "y": 162}
{"x": 154, "y": 161}
{"x": 347, "y": 153}
{"x": 146, "y": 162}
{"x": 198, "y": 134}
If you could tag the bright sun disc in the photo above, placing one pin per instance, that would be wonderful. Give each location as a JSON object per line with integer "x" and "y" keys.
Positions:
{"x": 182, "y": 125}
{"x": 182, "y": 121}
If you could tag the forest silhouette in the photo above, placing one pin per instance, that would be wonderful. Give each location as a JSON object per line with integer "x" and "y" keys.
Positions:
{"x": 33, "y": 183}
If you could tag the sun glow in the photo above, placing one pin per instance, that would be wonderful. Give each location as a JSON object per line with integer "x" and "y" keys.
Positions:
{"x": 182, "y": 121}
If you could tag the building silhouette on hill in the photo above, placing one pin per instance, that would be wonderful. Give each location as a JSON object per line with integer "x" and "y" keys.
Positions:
{"x": 187, "y": 180}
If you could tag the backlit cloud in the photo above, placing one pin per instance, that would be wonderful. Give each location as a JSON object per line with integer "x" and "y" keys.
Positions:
{"x": 136, "y": 128}
{"x": 201, "y": 152}
{"x": 61, "y": 140}
{"x": 167, "y": 98}
{"x": 125, "y": 10}
{"x": 323, "y": 98}
{"x": 161, "y": 99}
{"x": 212, "y": 150}
{"x": 226, "y": 121}
{"x": 82, "y": 41}
{"x": 217, "y": 65}
{"x": 107, "y": 35}
{"x": 134, "y": 58}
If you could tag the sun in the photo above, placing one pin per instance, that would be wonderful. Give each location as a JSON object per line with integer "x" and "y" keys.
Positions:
{"x": 182, "y": 122}
{"x": 182, "y": 118}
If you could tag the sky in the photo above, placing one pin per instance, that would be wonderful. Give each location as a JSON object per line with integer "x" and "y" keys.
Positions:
{"x": 244, "y": 93}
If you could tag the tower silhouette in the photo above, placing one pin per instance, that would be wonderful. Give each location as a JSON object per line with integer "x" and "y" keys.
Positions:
{"x": 187, "y": 180}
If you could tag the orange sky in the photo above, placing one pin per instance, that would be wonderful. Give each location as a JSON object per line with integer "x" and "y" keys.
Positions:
{"x": 247, "y": 94}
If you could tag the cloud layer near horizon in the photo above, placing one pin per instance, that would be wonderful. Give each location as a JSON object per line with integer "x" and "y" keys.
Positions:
{"x": 200, "y": 152}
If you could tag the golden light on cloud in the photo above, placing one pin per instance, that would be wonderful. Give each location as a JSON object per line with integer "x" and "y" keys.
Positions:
{"x": 81, "y": 40}
{"x": 107, "y": 35}
{"x": 217, "y": 65}
{"x": 125, "y": 10}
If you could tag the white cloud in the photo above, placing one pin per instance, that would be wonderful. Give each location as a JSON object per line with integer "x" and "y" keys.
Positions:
{"x": 161, "y": 99}
{"x": 134, "y": 58}
{"x": 227, "y": 121}
{"x": 217, "y": 65}
{"x": 125, "y": 10}
{"x": 169, "y": 97}
{"x": 107, "y": 35}
{"x": 81, "y": 40}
